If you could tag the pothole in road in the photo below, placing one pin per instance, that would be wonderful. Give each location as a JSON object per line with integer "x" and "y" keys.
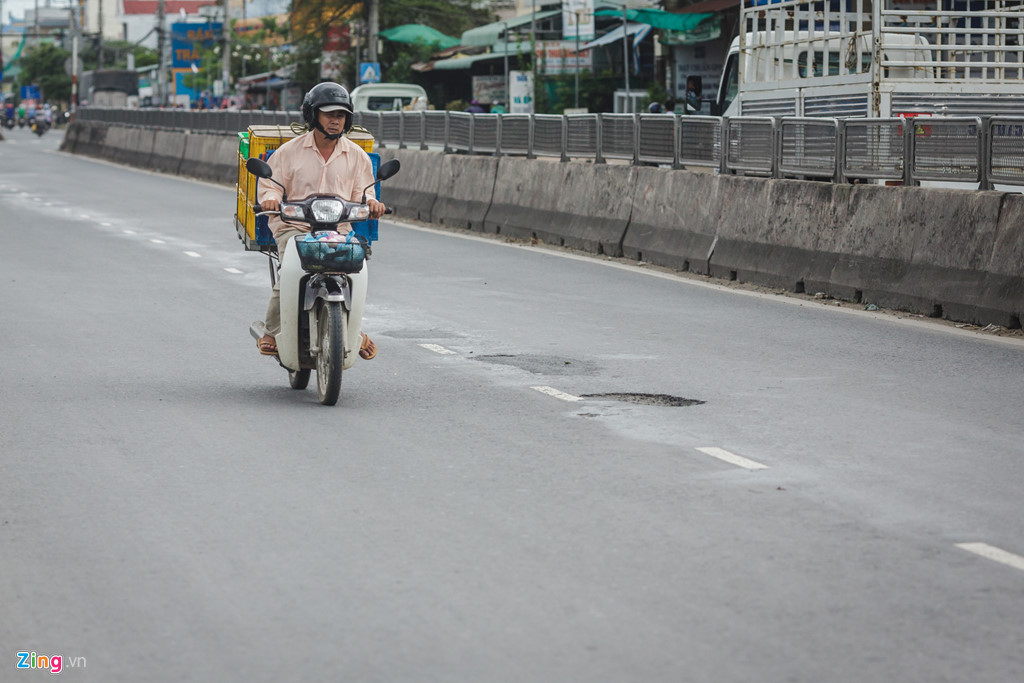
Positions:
{"x": 664, "y": 400}
{"x": 542, "y": 365}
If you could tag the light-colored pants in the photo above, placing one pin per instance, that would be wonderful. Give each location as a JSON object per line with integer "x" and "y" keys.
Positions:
{"x": 272, "y": 321}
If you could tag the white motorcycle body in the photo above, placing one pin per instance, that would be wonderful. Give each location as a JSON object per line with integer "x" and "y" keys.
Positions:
{"x": 300, "y": 301}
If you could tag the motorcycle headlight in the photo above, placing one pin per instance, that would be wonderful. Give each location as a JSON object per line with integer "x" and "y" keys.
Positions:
{"x": 359, "y": 213}
{"x": 327, "y": 210}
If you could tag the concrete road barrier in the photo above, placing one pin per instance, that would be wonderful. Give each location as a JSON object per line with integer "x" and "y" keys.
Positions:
{"x": 466, "y": 184}
{"x": 674, "y": 218}
{"x": 575, "y": 204}
{"x": 70, "y": 139}
{"x": 117, "y": 144}
{"x": 951, "y": 253}
{"x": 93, "y": 138}
{"x": 210, "y": 156}
{"x": 775, "y": 232}
{"x": 168, "y": 149}
{"x": 414, "y": 190}
{"x": 141, "y": 149}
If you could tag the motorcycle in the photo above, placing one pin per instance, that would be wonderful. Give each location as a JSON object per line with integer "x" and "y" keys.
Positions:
{"x": 21, "y": 122}
{"x": 39, "y": 126}
{"x": 323, "y": 279}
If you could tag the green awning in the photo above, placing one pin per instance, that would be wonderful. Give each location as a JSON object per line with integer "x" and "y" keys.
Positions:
{"x": 658, "y": 19}
{"x": 456, "y": 63}
{"x": 418, "y": 33}
{"x": 490, "y": 34}
{"x": 703, "y": 32}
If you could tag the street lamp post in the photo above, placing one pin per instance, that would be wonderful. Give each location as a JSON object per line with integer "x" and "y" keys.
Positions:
{"x": 625, "y": 59}
{"x": 576, "y": 57}
{"x": 533, "y": 57}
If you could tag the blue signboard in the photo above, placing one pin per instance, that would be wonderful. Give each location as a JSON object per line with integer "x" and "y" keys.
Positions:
{"x": 369, "y": 72}
{"x": 30, "y": 92}
{"x": 189, "y": 40}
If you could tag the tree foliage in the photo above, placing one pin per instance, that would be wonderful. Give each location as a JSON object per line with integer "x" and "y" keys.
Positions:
{"x": 308, "y": 34}
{"x": 43, "y": 65}
{"x": 450, "y": 17}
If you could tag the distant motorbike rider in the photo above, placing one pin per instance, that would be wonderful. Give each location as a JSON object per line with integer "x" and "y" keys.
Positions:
{"x": 320, "y": 161}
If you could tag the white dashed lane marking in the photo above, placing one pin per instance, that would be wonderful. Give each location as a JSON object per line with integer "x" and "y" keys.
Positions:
{"x": 993, "y": 553}
{"x": 192, "y": 254}
{"x": 233, "y": 271}
{"x": 438, "y": 349}
{"x": 732, "y": 458}
{"x": 156, "y": 241}
{"x": 551, "y": 391}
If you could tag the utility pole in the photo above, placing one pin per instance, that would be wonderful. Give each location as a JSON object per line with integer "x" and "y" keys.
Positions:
{"x": 374, "y": 21}
{"x": 161, "y": 37}
{"x": 225, "y": 48}
{"x": 73, "y": 18}
{"x": 99, "y": 43}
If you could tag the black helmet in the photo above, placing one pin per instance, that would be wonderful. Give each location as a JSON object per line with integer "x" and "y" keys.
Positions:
{"x": 327, "y": 96}
{"x": 655, "y": 108}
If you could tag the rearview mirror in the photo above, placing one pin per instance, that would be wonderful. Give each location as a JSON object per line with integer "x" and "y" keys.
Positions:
{"x": 388, "y": 169}
{"x": 258, "y": 168}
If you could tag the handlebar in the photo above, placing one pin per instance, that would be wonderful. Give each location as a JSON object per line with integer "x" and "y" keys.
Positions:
{"x": 258, "y": 210}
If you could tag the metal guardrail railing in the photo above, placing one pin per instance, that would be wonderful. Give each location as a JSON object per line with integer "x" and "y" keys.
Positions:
{"x": 982, "y": 150}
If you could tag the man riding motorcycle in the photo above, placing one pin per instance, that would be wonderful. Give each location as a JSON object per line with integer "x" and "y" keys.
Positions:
{"x": 318, "y": 161}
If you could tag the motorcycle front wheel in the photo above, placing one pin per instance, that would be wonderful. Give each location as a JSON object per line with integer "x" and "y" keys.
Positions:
{"x": 331, "y": 329}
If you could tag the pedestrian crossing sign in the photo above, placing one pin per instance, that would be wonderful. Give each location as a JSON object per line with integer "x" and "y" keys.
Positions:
{"x": 369, "y": 72}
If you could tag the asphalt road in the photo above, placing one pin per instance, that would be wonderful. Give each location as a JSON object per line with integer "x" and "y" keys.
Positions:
{"x": 170, "y": 510}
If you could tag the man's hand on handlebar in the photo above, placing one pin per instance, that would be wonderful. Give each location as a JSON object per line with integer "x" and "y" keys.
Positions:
{"x": 270, "y": 205}
{"x": 376, "y": 208}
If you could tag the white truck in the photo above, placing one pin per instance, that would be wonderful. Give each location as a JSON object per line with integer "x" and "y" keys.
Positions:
{"x": 875, "y": 58}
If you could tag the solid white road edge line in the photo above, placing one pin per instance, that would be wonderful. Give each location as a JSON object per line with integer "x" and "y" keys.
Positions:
{"x": 438, "y": 349}
{"x": 732, "y": 458}
{"x": 993, "y": 553}
{"x": 551, "y": 391}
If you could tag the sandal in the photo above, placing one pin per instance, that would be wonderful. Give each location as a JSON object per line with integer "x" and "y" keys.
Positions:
{"x": 267, "y": 345}
{"x": 367, "y": 350}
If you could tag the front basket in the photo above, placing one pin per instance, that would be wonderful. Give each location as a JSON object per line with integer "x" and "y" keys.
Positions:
{"x": 330, "y": 253}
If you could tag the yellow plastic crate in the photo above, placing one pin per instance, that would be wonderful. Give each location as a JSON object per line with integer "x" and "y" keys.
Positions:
{"x": 362, "y": 137}
{"x": 244, "y": 214}
{"x": 243, "y": 175}
{"x": 261, "y": 140}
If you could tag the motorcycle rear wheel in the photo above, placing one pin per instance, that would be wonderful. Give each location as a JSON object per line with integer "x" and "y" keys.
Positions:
{"x": 298, "y": 379}
{"x": 332, "y": 326}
